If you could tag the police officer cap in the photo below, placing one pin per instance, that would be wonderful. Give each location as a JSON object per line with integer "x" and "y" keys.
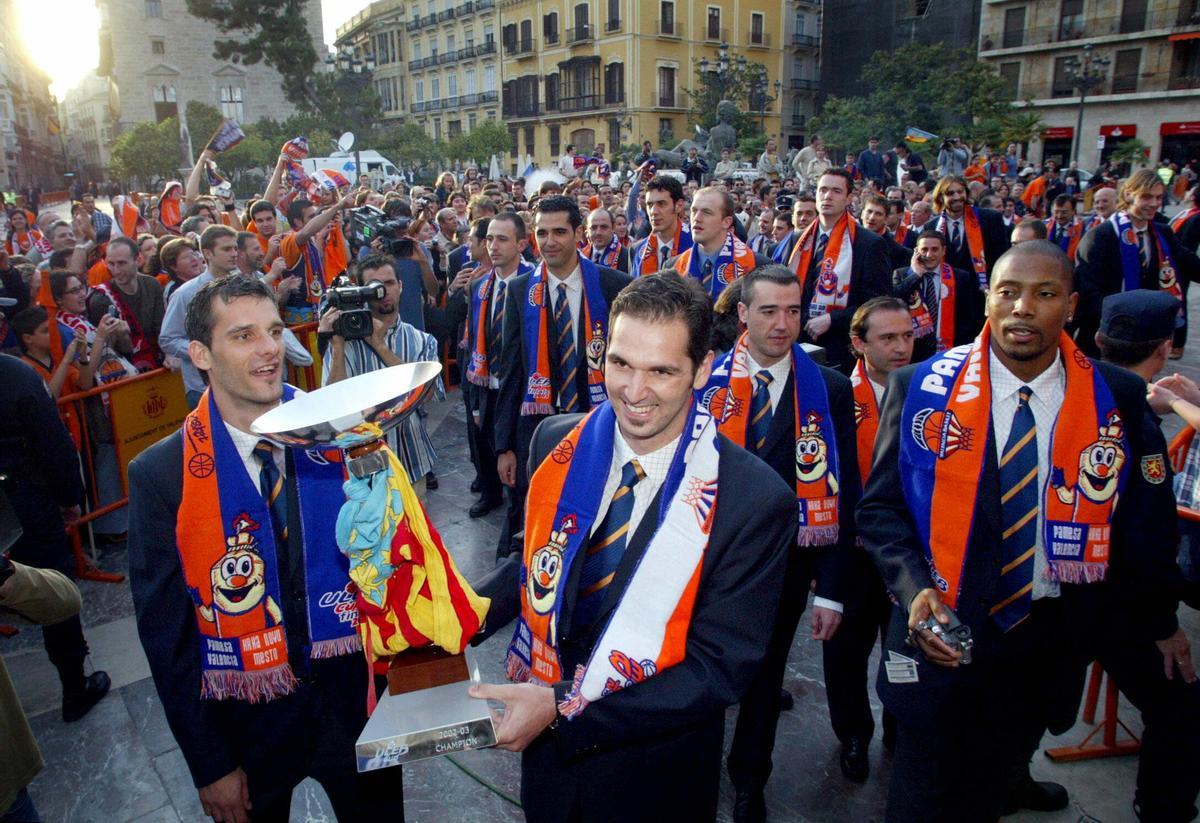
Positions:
{"x": 1139, "y": 316}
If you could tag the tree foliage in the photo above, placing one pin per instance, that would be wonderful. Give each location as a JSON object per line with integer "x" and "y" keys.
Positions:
{"x": 945, "y": 91}
{"x": 743, "y": 82}
{"x": 410, "y": 145}
{"x": 274, "y": 32}
{"x": 147, "y": 152}
{"x": 480, "y": 144}
{"x": 1133, "y": 152}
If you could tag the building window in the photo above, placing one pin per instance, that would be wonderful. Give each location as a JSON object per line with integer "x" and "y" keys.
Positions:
{"x": 469, "y": 76}
{"x": 435, "y": 88}
{"x": 416, "y": 50}
{"x": 665, "y": 127}
{"x": 469, "y": 38}
{"x": 713, "y": 29}
{"x": 666, "y": 17}
{"x": 437, "y": 128}
{"x": 489, "y": 78}
{"x": 472, "y": 119}
{"x": 1010, "y": 73}
{"x": 514, "y": 150}
{"x": 231, "y": 103}
{"x": 1070, "y": 20}
{"x": 154, "y": 8}
{"x": 510, "y": 36}
{"x": 552, "y": 90}
{"x": 756, "y": 29}
{"x": 614, "y": 15}
{"x": 452, "y": 85}
{"x": 164, "y": 103}
{"x": 433, "y": 48}
{"x": 526, "y": 35}
{"x": 450, "y": 44}
{"x": 666, "y": 86}
{"x": 489, "y": 33}
{"x": 1014, "y": 27}
{"x": 614, "y": 133}
{"x": 1062, "y": 85}
{"x": 455, "y": 128}
{"x": 529, "y": 144}
{"x": 614, "y": 83}
{"x": 555, "y": 140}
{"x": 419, "y": 91}
{"x": 1133, "y": 16}
{"x": 158, "y": 47}
{"x": 1125, "y": 70}
{"x": 582, "y": 19}
{"x": 550, "y": 28}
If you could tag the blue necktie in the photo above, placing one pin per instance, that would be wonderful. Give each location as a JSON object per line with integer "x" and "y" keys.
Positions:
{"x": 706, "y": 278}
{"x": 606, "y": 546}
{"x": 270, "y": 485}
{"x": 496, "y": 330}
{"x": 760, "y": 411}
{"x": 1019, "y": 516}
{"x": 568, "y": 360}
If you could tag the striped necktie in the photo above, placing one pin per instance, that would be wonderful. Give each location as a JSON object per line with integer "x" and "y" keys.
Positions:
{"x": 665, "y": 253}
{"x": 607, "y": 546}
{"x": 955, "y": 234}
{"x": 270, "y": 484}
{"x": 496, "y": 329}
{"x": 760, "y": 410}
{"x": 1019, "y": 517}
{"x": 707, "y": 276}
{"x": 568, "y": 360}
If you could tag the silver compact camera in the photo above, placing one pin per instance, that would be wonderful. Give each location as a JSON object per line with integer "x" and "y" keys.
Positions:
{"x": 955, "y": 634}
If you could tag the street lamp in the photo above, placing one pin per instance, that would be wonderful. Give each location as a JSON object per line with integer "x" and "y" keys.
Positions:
{"x": 1085, "y": 71}
{"x": 356, "y": 72}
{"x": 758, "y": 92}
{"x": 724, "y": 72}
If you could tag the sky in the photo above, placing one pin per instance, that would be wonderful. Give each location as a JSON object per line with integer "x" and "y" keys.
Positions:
{"x": 61, "y": 35}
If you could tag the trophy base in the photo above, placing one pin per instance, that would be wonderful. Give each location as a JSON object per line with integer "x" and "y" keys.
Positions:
{"x": 426, "y": 712}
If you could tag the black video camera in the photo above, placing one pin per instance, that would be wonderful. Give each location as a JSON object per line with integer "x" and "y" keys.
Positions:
{"x": 355, "y": 322}
{"x": 368, "y": 223}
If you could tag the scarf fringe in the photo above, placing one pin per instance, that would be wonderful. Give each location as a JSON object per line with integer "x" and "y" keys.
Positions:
{"x": 324, "y": 649}
{"x": 1076, "y": 571}
{"x": 478, "y": 380}
{"x": 574, "y": 703}
{"x": 250, "y": 687}
{"x": 817, "y": 535}
{"x": 530, "y": 407}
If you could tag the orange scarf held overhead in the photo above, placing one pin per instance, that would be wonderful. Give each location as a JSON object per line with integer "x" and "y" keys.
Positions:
{"x": 866, "y": 417}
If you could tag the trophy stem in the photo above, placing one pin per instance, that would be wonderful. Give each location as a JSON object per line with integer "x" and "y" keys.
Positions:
{"x": 367, "y": 460}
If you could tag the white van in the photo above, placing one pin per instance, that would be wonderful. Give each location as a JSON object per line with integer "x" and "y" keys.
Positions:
{"x": 370, "y": 162}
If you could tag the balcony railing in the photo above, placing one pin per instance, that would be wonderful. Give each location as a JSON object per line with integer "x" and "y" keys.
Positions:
{"x": 758, "y": 40}
{"x": 797, "y": 84}
{"x": 464, "y": 9}
{"x": 670, "y": 28}
{"x": 805, "y": 41}
{"x": 580, "y": 34}
{"x": 658, "y": 100}
{"x": 443, "y": 16}
{"x": 799, "y": 121}
{"x": 550, "y": 39}
{"x": 522, "y": 110}
{"x": 585, "y": 102}
{"x": 716, "y": 35}
{"x": 1088, "y": 28}
{"x": 519, "y": 48}
{"x": 1183, "y": 81}
{"x": 612, "y": 24}
{"x": 458, "y": 101}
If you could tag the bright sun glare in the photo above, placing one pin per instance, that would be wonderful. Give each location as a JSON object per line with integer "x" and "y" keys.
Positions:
{"x": 61, "y": 37}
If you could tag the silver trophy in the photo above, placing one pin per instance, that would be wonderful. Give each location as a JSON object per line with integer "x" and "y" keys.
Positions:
{"x": 427, "y": 711}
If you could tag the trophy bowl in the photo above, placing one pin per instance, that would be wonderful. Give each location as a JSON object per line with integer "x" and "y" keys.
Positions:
{"x": 344, "y": 415}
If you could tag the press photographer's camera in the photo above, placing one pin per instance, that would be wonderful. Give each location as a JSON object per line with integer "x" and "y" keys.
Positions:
{"x": 955, "y": 634}
{"x": 368, "y": 224}
{"x": 355, "y": 321}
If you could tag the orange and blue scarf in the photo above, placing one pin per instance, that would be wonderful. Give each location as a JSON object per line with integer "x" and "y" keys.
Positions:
{"x": 974, "y": 238}
{"x": 1131, "y": 259}
{"x": 537, "y": 308}
{"x": 922, "y": 317}
{"x": 943, "y": 438}
{"x": 639, "y": 638}
{"x": 733, "y": 261}
{"x": 727, "y": 397}
{"x": 610, "y": 257}
{"x": 1070, "y": 241}
{"x": 866, "y": 418}
{"x": 481, "y": 312}
{"x": 646, "y": 257}
{"x": 227, "y": 549}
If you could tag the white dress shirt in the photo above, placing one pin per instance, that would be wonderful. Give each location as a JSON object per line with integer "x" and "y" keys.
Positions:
{"x": 574, "y": 284}
{"x": 878, "y": 388}
{"x": 1049, "y": 389}
{"x": 780, "y": 371}
{"x": 656, "y": 464}
{"x": 245, "y": 442}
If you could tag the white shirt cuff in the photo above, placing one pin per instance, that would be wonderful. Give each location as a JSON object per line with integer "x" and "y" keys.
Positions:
{"x": 832, "y": 605}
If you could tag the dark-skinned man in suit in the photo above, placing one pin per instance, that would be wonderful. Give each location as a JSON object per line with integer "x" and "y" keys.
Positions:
{"x": 651, "y": 737}
{"x": 567, "y": 288}
{"x": 782, "y": 373}
{"x": 1016, "y": 485}
{"x": 840, "y": 266}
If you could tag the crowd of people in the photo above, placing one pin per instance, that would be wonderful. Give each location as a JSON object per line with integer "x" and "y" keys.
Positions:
{"x": 843, "y": 379}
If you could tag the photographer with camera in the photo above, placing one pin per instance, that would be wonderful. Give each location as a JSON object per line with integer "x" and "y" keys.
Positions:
{"x": 952, "y": 158}
{"x": 365, "y": 333}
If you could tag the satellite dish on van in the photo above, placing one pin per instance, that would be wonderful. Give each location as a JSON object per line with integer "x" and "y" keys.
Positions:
{"x": 346, "y": 141}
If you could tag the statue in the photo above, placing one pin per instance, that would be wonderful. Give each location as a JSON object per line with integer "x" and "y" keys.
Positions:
{"x": 708, "y": 142}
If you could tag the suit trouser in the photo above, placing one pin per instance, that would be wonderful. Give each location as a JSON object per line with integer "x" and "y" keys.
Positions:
{"x": 311, "y": 733}
{"x": 846, "y": 656}
{"x": 960, "y": 763}
{"x": 483, "y": 441}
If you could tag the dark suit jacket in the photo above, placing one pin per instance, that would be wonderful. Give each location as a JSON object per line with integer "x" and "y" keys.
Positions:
{"x": 652, "y": 740}
{"x": 216, "y": 737}
{"x": 779, "y": 452}
{"x": 995, "y": 242}
{"x": 1098, "y": 273}
{"x": 513, "y": 430}
{"x": 968, "y": 311}
{"x": 1143, "y": 580}
{"x": 870, "y": 276}
{"x": 622, "y": 260}
{"x": 456, "y": 260}
{"x": 1189, "y": 234}
{"x": 898, "y": 255}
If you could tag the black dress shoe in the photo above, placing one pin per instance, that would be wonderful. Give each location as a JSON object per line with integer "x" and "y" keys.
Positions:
{"x": 77, "y": 704}
{"x": 431, "y": 481}
{"x": 484, "y": 505}
{"x": 854, "y": 761}
{"x": 786, "y": 701}
{"x": 1037, "y": 796}
{"x": 749, "y": 807}
{"x": 476, "y": 486}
